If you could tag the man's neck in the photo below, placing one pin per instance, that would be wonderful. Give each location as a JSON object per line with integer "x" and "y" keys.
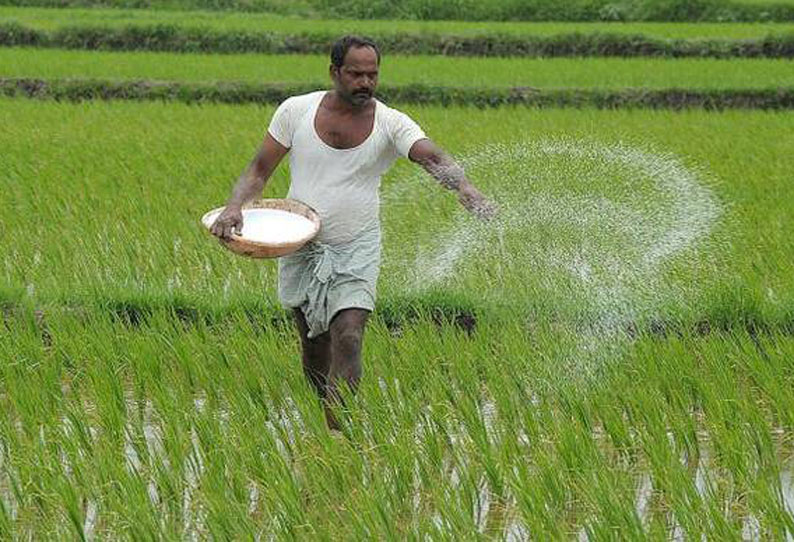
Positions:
{"x": 339, "y": 105}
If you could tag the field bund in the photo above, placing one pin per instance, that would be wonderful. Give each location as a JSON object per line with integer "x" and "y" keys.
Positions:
{"x": 208, "y": 40}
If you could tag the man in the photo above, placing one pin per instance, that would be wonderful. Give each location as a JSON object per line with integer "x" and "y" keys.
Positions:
{"x": 340, "y": 143}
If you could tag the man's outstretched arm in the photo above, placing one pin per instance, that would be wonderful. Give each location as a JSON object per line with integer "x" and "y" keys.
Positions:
{"x": 451, "y": 176}
{"x": 251, "y": 183}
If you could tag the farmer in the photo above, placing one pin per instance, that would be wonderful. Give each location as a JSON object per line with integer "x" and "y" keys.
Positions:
{"x": 341, "y": 142}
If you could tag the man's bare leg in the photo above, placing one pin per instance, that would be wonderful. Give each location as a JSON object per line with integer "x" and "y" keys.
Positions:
{"x": 347, "y": 332}
{"x": 316, "y": 355}
{"x": 334, "y": 356}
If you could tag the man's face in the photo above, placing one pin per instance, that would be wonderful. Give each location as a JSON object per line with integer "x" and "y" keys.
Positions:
{"x": 356, "y": 79}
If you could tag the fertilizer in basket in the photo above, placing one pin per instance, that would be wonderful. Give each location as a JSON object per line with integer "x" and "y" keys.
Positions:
{"x": 273, "y": 226}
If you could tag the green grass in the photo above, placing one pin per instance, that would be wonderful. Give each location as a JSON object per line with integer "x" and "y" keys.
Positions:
{"x": 50, "y": 19}
{"x": 109, "y": 194}
{"x": 167, "y": 431}
{"x": 612, "y": 73}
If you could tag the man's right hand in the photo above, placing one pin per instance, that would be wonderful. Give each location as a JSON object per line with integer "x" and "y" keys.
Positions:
{"x": 231, "y": 218}
{"x": 249, "y": 185}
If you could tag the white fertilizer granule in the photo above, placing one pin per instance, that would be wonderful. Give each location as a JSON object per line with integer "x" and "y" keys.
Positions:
{"x": 271, "y": 226}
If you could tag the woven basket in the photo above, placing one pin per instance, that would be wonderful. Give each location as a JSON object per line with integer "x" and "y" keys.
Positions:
{"x": 256, "y": 249}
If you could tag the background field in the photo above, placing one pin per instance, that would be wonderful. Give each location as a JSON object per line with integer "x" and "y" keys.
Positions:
{"x": 614, "y": 73}
{"x": 613, "y": 355}
{"x": 51, "y": 19}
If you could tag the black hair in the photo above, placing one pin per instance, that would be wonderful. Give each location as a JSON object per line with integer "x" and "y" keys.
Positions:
{"x": 340, "y": 48}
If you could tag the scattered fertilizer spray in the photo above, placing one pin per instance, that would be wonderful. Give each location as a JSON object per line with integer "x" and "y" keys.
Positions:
{"x": 583, "y": 227}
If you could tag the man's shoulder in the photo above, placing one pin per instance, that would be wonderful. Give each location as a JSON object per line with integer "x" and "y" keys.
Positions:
{"x": 393, "y": 117}
{"x": 387, "y": 110}
{"x": 299, "y": 101}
